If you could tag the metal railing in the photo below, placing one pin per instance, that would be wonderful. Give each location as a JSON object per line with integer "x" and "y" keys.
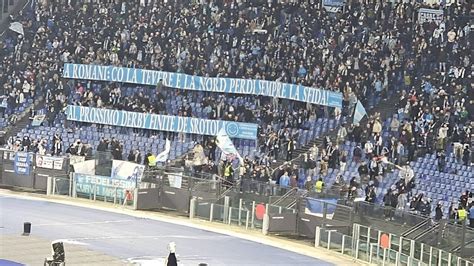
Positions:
{"x": 381, "y": 247}
{"x": 364, "y": 243}
{"x": 290, "y": 193}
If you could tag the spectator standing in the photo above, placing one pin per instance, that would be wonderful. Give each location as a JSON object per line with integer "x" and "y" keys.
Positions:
{"x": 466, "y": 156}
{"x": 438, "y": 212}
{"x": 341, "y": 134}
{"x": 318, "y": 187}
{"x": 371, "y": 196}
{"x": 228, "y": 174}
{"x": 314, "y": 152}
{"x": 441, "y": 161}
{"x": 285, "y": 180}
{"x": 363, "y": 171}
{"x": 394, "y": 126}
{"x": 462, "y": 215}
{"x": 290, "y": 149}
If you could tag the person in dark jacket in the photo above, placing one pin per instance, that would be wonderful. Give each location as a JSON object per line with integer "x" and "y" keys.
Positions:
{"x": 131, "y": 156}
{"x": 438, "y": 212}
{"x": 370, "y": 194}
{"x": 390, "y": 201}
{"x": 363, "y": 171}
{"x": 171, "y": 260}
{"x": 441, "y": 161}
{"x": 290, "y": 148}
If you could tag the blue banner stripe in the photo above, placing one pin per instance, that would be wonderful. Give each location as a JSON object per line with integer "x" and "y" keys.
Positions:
{"x": 22, "y": 163}
{"x": 161, "y": 122}
{"x": 197, "y": 83}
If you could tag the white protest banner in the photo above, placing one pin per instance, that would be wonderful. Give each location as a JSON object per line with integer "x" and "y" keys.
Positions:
{"x": 127, "y": 170}
{"x": 428, "y": 14}
{"x": 49, "y": 162}
{"x": 175, "y": 179}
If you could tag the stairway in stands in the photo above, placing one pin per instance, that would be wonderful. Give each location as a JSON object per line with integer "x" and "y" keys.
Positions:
{"x": 301, "y": 150}
{"x": 23, "y": 119}
{"x": 386, "y": 108}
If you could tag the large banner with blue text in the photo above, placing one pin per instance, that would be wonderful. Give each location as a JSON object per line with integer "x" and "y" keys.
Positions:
{"x": 197, "y": 83}
{"x": 161, "y": 122}
{"x": 104, "y": 186}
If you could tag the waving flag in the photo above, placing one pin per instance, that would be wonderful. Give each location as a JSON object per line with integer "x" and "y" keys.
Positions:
{"x": 359, "y": 112}
{"x": 226, "y": 145}
{"x": 163, "y": 156}
{"x": 17, "y": 27}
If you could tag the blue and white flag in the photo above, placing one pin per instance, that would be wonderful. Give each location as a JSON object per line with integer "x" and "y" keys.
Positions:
{"x": 359, "y": 112}
{"x": 318, "y": 207}
{"x": 37, "y": 120}
{"x": 333, "y": 6}
{"x": 127, "y": 170}
{"x": 163, "y": 156}
{"x": 226, "y": 145}
{"x": 17, "y": 27}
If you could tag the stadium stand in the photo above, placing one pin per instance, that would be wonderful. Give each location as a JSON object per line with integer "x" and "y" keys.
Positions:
{"x": 373, "y": 52}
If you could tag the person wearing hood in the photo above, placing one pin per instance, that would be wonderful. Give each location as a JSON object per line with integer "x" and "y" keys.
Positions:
{"x": 438, "y": 212}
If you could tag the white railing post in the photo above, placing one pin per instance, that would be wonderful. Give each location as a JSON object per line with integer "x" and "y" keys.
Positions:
{"x": 384, "y": 256}
{"x": 355, "y": 239}
{"x": 247, "y": 220}
{"x": 192, "y": 207}
{"x": 371, "y": 253}
{"x": 240, "y": 211}
{"x": 71, "y": 184}
{"x": 431, "y": 256}
{"x": 400, "y": 244}
{"x": 266, "y": 224}
{"x": 422, "y": 252}
{"x": 55, "y": 186}
{"x": 357, "y": 249}
{"x": 253, "y": 214}
{"x": 317, "y": 236}
{"x": 226, "y": 207}
{"x": 211, "y": 212}
{"x": 368, "y": 239}
{"x": 343, "y": 243}
{"x": 49, "y": 185}
{"x": 329, "y": 238}
{"x": 135, "y": 197}
{"x": 229, "y": 220}
{"x": 440, "y": 257}
{"x": 397, "y": 258}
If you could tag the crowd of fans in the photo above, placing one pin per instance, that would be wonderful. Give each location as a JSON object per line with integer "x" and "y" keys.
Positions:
{"x": 368, "y": 52}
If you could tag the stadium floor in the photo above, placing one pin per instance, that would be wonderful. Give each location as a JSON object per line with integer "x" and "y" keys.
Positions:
{"x": 88, "y": 233}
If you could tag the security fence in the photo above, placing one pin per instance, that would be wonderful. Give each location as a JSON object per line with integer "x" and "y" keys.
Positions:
{"x": 29, "y": 170}
{"x": 352, "y": 228}
{"x": 383, "y": 248}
